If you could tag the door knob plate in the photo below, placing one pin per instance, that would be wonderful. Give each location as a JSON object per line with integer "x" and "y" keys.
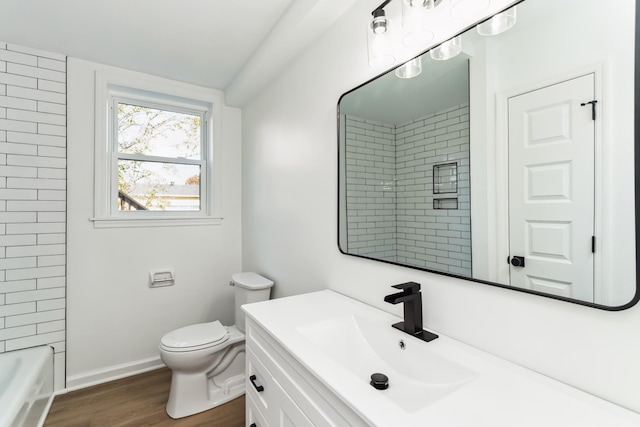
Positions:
{"x": 517, "y": 261}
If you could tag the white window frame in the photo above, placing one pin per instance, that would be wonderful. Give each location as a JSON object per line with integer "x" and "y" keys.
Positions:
{"x": 115, "y": 86}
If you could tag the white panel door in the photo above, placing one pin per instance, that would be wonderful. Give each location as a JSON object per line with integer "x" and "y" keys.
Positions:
{"x": 551, "y": 188}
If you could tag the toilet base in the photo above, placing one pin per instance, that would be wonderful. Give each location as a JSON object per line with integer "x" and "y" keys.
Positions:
{"x": 183, "y": 405}
{"x": 192, "y": 392}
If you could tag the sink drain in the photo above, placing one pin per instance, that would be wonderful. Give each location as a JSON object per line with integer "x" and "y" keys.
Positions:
{"x": 379, "y": 381}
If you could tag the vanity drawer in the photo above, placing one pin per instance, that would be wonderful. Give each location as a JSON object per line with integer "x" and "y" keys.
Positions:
{"x": 271, "y": 406}
{"x": 318, "y": 403}
{"x": 255, "y": 418}
{"x": 260, "y": 385}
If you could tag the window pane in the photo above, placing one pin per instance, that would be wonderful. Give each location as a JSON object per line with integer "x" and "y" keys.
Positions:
{"x": 158, "y": 186}
{"x": 149, "y": 131}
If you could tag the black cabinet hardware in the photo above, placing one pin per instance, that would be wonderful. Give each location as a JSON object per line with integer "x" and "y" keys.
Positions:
{"x": 258, "y": 388}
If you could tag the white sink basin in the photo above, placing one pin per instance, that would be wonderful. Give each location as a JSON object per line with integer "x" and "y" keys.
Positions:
{"x": 417, "y": 376}
{"x": 444, "y": 382}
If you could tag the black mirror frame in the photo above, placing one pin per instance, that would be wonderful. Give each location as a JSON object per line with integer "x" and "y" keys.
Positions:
{"x": 636, "y": 146}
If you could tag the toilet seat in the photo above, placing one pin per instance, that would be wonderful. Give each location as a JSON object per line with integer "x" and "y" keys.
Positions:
{"x": 195, "y": 337}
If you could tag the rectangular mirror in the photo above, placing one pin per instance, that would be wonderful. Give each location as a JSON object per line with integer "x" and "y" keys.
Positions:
{"x": 511, "y": 163}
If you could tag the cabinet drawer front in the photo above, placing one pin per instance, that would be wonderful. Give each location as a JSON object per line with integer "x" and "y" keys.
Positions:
{"x": 260, "y": 385}
{"x": 253, "y": 414}
{"x": 267, "y": 402}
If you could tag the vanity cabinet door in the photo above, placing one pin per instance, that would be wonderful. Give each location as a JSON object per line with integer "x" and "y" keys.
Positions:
{"x": 267, "y": 402}
{"x": 288, "y": 413}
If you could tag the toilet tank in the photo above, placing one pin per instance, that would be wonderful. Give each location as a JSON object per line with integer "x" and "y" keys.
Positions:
{"x": 249, "y": 287}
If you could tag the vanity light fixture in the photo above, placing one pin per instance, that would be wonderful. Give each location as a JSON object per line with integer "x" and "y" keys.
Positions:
{"x": 380, "y": 22}
{"x": 410, "y": 69}
{"x": 414, "y": 16}
{"x": 378, "y": 40}
{"x": 447, "y": 50}
{"x": 498, "y": 23}
{"x": 384, "y": 37}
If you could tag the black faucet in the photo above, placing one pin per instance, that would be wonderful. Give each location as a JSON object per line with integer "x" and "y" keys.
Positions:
{"x": 412, "y": 300}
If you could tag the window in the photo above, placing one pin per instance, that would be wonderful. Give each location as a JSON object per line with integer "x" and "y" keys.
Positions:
{"x": 155, "y": 154}
{"x": 159, "y": 159}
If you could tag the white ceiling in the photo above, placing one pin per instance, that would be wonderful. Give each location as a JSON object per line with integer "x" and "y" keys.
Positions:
{"x": 203, "y": 42}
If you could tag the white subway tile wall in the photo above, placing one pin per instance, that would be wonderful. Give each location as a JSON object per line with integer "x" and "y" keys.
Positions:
{"x": 371, "y": 189}
{"x": 32, "y": 199}
{"x": 390, "y": 212}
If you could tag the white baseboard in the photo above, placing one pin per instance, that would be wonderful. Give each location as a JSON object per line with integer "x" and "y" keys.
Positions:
{"x": 91, "y": 378}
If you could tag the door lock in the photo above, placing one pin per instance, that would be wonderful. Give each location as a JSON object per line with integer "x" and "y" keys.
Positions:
{"x": 516, "y": 261}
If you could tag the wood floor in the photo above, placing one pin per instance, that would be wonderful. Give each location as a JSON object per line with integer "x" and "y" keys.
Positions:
{"x": 135, "y": 402}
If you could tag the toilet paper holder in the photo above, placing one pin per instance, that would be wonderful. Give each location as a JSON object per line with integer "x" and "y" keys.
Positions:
{"x": 161, "y": 278}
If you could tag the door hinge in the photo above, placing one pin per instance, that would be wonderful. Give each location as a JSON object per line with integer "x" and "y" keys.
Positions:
{"x": 593, "y": 108}
{"x": 593, "y": 244}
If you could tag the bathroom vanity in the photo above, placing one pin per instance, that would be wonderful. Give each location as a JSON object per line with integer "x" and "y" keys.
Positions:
{"x": 281, "y": 391}
{"x": 310, "y": 358}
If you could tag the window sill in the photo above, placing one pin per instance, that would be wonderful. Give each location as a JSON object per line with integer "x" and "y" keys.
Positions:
{"x": 165, "y": 221}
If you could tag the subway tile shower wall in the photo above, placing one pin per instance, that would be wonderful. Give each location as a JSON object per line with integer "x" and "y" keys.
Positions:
{"x": 371, "y": 188}
{"x": 390, "y": 210}
{"x": 32, "y": 199}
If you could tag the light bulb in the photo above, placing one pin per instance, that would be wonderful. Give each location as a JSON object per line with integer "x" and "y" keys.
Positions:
{"x": 379, "y": 23}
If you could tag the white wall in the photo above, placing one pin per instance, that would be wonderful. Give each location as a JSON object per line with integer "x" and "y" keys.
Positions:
{"x": 290, "y": 233}
{"x": 114, "y": 320}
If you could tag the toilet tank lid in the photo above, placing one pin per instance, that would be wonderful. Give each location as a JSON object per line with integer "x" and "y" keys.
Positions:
{"x": 251, "y": 281}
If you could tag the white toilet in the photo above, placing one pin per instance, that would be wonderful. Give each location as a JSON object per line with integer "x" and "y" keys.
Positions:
{"x": 207, "y": 359}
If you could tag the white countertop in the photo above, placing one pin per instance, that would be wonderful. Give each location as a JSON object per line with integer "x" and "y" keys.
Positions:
{"x": 501, "y": 394}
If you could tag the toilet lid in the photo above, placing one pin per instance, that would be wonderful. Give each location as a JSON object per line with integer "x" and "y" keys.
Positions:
{"x": 196, "y": 335}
